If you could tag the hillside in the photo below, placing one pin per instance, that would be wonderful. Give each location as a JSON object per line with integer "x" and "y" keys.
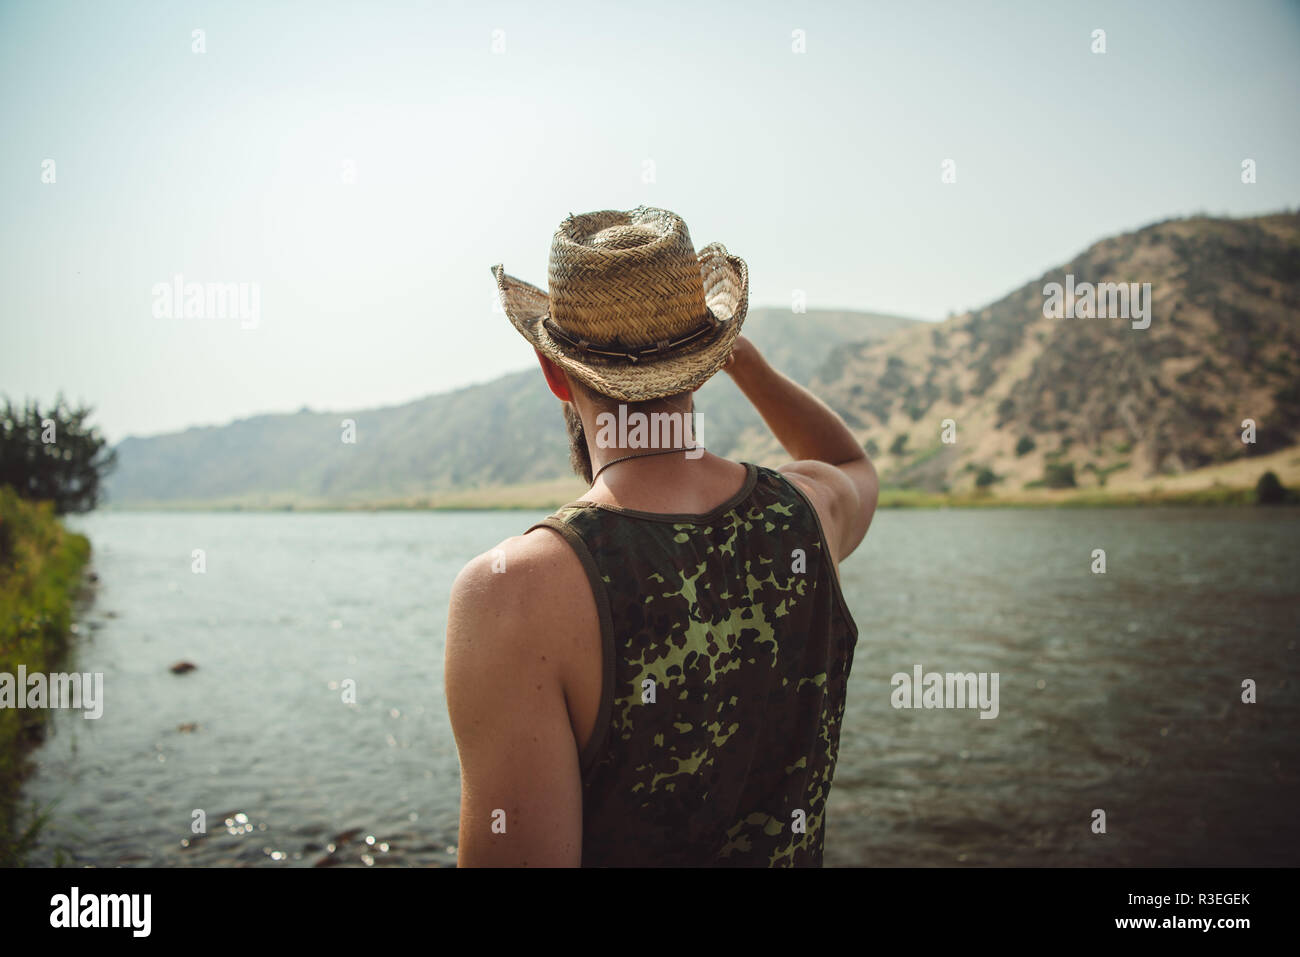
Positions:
{"x": 1121, "y": 407}
{"x": 498, "y": 435}
{"x": 1088, "y": 403}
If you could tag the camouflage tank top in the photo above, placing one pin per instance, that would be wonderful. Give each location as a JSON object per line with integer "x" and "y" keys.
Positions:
{"x": 727, "y": 647}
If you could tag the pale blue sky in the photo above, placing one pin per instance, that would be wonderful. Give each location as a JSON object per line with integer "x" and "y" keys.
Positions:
{"x": 822, "y": 170}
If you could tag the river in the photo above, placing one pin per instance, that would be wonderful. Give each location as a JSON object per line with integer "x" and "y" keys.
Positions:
{"x": 1119, "y": 691}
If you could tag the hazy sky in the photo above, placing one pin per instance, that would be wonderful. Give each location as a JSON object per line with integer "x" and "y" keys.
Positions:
{"x": 821, "y": 169}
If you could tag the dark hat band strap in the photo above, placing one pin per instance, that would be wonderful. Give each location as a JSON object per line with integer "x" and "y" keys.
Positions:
{"x": 616, "y": 350}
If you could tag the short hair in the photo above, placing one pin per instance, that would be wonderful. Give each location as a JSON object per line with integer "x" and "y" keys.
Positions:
{"x": 603, "y": 400}
{"x": 579, "y": 454}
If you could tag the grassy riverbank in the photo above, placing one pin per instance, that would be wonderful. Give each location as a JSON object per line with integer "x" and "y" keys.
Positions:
{"x": 41, "y": 566}
{"x": 1071, "y": 498}
{"x": 551, "y": 495}
{"x": 1226, "y": 484}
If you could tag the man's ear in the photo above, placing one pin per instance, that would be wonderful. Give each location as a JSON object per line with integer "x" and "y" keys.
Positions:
{"x": 555, "y": 379}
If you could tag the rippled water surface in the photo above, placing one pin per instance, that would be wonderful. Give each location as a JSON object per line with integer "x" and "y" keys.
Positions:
{"x": 1119, "y": 691}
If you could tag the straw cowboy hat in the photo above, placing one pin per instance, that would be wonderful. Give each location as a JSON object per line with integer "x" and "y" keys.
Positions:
{"x": 633, "y": 311}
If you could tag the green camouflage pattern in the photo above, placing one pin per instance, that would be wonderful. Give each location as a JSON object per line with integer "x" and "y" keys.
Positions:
{"x": 749, "y": 651}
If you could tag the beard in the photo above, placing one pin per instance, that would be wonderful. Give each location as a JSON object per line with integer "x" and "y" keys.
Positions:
{"x": 579, "y": 454}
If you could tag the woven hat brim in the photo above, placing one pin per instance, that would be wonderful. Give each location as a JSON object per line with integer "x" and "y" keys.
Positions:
{"x": 686, "y": 368}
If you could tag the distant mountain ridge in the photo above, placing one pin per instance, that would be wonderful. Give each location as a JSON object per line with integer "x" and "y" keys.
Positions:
{"x": 505, "y": 432}
{"x": 1027, "y": 398}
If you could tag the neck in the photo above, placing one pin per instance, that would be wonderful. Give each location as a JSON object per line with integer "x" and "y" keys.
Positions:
{"x": 669, "y": 483}
{"x": 606, "y": 461}
{"x": 614, "y": 433}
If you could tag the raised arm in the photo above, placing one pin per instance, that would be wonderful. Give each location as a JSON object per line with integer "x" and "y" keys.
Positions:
{"x": 830, "y": 466}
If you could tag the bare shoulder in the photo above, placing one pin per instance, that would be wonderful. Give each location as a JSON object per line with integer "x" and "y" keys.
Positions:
{"x": 831, "y": 492}
{"x": 820, "y": 481}
{"x": 519, "y": 605}
{"x": 515, "y": 581}
{"x": 844, "y": 497}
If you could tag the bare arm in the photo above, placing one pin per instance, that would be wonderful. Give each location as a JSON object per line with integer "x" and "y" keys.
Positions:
{"x": 830, "y": 466}
{"x": 521, "y": 790}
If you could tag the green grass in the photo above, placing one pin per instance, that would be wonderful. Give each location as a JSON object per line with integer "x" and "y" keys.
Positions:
{"x": 1220, "y": 495}
{"x": 40, "y": 574}
{"x": 891, "y": 497}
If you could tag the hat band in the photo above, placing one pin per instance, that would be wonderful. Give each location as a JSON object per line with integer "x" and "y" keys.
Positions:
{"x": 615, "y": 349}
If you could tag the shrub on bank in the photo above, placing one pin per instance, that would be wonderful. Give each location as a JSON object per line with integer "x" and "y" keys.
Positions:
{"x": 41, "y": 565}
{"x": 1269, "y": 490}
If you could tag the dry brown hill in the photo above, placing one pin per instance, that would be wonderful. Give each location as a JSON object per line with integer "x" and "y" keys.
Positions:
{"x": 1034, "y": 398}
